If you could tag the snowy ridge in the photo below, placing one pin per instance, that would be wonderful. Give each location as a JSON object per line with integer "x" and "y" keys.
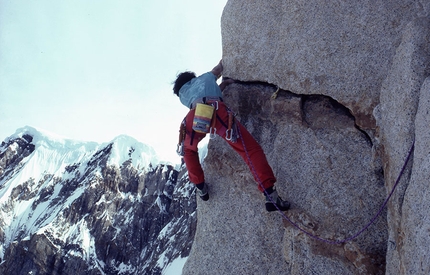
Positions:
{"x": 125, "y": 148}
{"x": 54, "y": 152}
{"x": 82, "y": 198}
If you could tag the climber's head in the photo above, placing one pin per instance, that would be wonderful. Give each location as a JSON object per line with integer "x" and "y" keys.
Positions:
{"x": 181, "y": 79}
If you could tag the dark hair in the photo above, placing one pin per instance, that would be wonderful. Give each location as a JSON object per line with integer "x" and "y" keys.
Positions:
{"x": 181, "y": 79}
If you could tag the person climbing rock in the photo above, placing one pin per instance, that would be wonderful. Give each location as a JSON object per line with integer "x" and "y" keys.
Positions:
{"x": 209, "y": 114}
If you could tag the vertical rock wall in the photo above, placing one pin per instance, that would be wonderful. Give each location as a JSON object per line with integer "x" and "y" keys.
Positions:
{"x": 325, "y": 166}
{"x": 354, "y": 97}
{"x": 415, "y": 222}
{"x": 340, "y": 48}
{"x": 397, "y": 123}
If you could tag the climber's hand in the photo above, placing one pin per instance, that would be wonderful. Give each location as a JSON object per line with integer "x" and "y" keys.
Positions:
{"x": 225, "y": 82}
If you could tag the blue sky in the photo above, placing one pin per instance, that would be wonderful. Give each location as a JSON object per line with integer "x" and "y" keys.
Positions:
{"x": 93, "y": 70}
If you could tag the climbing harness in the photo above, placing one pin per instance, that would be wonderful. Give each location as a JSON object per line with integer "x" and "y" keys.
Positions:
{"x": 231, "y": 132}
{"x": 204, "y": 121}
{"x": 317, "y": 237}
{"x": 205, "y": 100}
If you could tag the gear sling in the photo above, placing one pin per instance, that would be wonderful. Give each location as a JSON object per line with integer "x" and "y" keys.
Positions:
{"x": 224, "y": 124}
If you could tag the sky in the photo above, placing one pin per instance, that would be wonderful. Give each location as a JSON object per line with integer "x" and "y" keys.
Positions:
{"x": 94, "y": 70}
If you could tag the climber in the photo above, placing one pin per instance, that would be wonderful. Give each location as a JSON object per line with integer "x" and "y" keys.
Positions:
{"x": 209, "y": 114}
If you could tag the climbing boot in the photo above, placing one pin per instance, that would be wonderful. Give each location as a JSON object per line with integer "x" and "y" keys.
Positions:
{"x": 203, "y": 191}
{"x": 274, "y": 202}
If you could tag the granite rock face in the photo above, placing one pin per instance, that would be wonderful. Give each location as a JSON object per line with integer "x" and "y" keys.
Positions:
{"x": 334, "y": 194}
{"x": 354, "y": 86}
{"x": 413, "y": 241}
{"x": 399, "y": 123}
{"x": 338, "y": 48}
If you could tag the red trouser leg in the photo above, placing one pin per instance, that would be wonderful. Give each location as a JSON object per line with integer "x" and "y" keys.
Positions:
{"x": 191, "y": 156}
{"x": 255, "y": 158}
{"x": 252, "y": 153}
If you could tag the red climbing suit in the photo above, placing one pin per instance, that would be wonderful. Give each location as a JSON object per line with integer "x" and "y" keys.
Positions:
{"x": 259, "y": 166}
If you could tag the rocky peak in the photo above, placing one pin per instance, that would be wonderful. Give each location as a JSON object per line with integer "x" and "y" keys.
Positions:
{"x": 15, "y": 150}
{"x": 83, "y": 208}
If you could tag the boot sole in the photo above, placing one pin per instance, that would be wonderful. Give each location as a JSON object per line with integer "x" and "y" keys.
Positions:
{"x": 205, "y": 197}
{"x": 270, "y": 207}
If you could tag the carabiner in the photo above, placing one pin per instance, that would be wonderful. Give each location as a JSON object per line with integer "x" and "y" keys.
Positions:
{"x": 229, "y": 134}
{"x": 212, "y": 133}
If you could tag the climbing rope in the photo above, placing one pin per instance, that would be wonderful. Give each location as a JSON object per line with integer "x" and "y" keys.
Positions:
{"x": 317, "y": 237}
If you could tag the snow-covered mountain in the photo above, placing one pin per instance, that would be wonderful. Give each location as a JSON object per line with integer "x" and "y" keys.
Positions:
{"x": 70, "y": 207}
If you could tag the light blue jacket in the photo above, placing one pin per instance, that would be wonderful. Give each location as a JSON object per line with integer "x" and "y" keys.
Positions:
{"x": 199, "y": 87}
